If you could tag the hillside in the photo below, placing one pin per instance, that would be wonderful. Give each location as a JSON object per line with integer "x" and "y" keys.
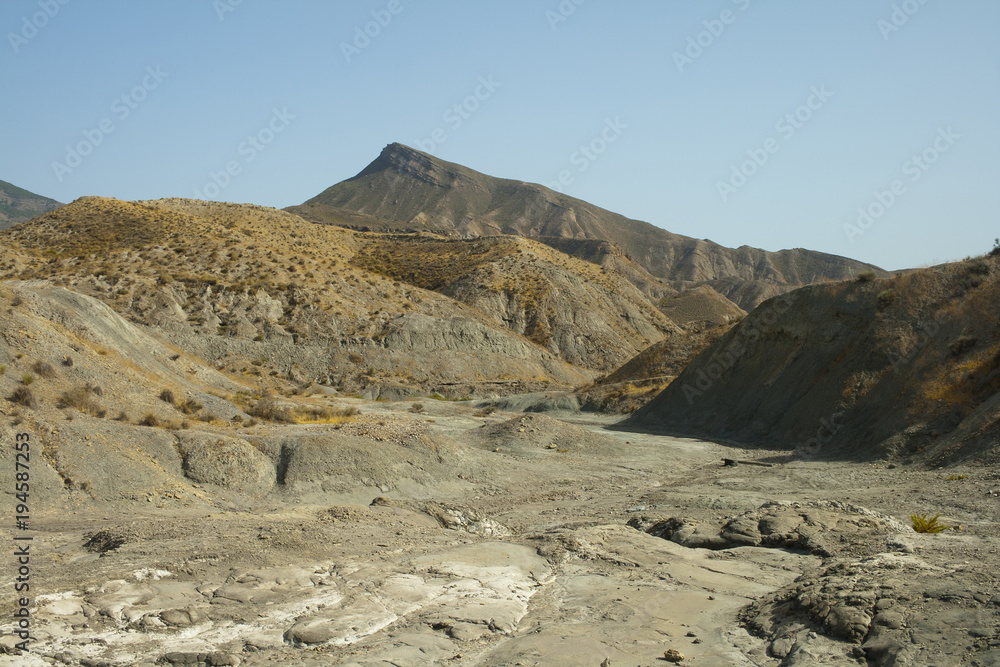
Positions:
{"x": 701, "y": 304}
{"x": 904, "y": 367}
{"x": 589, "y": 316}
{"x": 362, "y": 312}
{"x": 407, "y": 189}
{"x": 641, "y": 378}
{"x": 17, "y": 205}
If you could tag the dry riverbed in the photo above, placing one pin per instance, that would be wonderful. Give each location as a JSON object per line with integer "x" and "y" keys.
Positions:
{"x": 456, "y": 538}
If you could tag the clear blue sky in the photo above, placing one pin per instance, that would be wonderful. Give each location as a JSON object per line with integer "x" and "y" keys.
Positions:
{"x": 887, "y": 94}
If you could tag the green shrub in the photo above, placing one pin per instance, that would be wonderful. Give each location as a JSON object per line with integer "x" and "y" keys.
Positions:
{"x": 923, "y": 524}
{"x": 27, "y": 379}
{"x": 866, "y": 277}
{"x": 885, "y": 298}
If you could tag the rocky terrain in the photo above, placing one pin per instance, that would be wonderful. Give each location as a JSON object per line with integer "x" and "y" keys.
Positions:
{"x": 17, "y": 205}
{"x": 407, "y": 190}
{"x": 257, "y": 440}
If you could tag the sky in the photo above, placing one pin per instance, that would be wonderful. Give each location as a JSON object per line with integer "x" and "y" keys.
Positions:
{"x": 864, "y": 128}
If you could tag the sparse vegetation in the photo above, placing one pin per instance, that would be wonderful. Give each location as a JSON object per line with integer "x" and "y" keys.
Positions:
{"x": 44, "y": 370}
{"x": 923, "y": 524}
{"x": 267, "y": 408}
{"x": 81, "y": 398}
{"x": 865, "y": 277}
{"x": 324, "y": 415}
{"x": 23, "y": 396}
{"x": 485, "y": 412}
{"x": 149, "y": 419}
{"x": 417, "y": 408}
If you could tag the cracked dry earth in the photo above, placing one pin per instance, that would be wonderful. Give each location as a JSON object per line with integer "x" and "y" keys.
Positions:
{"x": 561, "y": 542}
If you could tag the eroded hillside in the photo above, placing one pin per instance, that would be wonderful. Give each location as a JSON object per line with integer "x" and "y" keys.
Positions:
{"x": 588, "y": 315}
{"x": 358, "y": 311}
{"x": 907, "y": 366}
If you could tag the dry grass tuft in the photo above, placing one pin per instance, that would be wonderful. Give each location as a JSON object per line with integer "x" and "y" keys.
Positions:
{"x": 81, "y": 398}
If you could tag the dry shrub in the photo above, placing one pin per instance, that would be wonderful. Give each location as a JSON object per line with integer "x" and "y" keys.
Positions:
{"x": 167, "y": 396}
{"x": 190, "y": 406}
{"x": 81, "y": 399}
{"x": 267, "y": 408}
{"x": 44, "y": 370}
{"x": 149, "y": 420}
{"x": 325, "y": 415}
{"x": 23, "y": 396}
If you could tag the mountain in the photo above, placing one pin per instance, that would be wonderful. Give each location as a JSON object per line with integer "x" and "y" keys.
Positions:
{"x": 405, "y": 189}
{"x": 18, "y": 205}
{"x": 904, "y": 367}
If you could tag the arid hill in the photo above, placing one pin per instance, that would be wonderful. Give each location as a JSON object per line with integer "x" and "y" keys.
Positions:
{"x": 904, "y": 367}
{"x": 588, "y": 315}
{"x": 404, "y": 189}
{"x": 362, "y": 312}
{"x": 702, "y": 305}
{"x": 645, "y": 375}
{"x": 17, "y": 205}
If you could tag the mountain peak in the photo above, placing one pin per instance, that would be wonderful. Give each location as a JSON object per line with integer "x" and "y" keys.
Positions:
{"x": 400, "y": 158}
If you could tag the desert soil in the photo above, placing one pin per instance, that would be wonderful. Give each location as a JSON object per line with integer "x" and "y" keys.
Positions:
{"x": 547, "y": 546}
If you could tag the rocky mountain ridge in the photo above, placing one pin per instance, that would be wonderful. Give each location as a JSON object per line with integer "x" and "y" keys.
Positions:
{"x": 406, "y": 189}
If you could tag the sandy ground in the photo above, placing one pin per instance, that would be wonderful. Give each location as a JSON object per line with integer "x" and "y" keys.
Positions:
{"x": 548, "y": 549}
